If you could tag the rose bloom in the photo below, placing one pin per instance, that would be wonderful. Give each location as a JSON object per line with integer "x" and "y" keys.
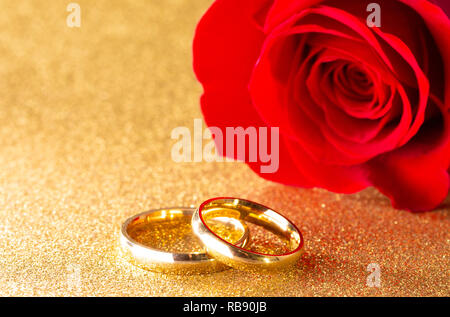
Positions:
{"x": 356, "y": 105}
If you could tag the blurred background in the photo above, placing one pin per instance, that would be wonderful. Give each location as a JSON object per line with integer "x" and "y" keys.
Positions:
{"x": 86, "y": 116}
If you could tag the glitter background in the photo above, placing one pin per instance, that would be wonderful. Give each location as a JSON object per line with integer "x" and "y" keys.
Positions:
{"x": 85, "y": 122}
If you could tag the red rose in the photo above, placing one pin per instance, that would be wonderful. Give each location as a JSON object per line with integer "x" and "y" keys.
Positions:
{"x": 356, "y": 106}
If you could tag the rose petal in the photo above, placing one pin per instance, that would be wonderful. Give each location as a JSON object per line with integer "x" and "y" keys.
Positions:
{"x": 226, "y": 46}
{"x": 339, "y": 179}
{"x": 415, "y": 177}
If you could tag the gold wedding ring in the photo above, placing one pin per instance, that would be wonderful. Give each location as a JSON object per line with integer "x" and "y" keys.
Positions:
{"x": 159, "y": 260}
{"x": 246, "y": 211}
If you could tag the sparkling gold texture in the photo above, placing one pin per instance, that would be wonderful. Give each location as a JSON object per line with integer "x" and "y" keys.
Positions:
{"x": 173, "y": 236}
{"x": 85, "y": 122}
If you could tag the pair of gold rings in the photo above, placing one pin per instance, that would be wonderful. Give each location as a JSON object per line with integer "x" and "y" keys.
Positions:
{"x": 219, "y": 252}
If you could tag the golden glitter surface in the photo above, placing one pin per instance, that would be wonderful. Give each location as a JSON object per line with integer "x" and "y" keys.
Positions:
{"x": 86, "y": 116}
{"x": 170, "y": 236}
